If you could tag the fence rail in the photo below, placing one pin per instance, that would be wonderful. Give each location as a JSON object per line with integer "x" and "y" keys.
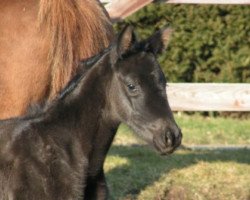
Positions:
{"x": 209, "y": 96}
{"x": 120, "y": 9}
{"x": 193, "y": 1}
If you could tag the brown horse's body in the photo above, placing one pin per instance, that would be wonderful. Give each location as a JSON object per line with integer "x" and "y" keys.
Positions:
{"x": 40, "y": 42}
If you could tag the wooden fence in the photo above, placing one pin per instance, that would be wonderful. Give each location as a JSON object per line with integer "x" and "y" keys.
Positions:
{"x": 195, "y": 96}
{"x": 209, "y": 96}
{"x": 120, "y": 9}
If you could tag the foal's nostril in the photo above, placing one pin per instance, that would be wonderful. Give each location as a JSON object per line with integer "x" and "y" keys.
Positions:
{"x": 168, "y": 138}
{"x": 178, "y": 137}
{"x": 167, "y": 141}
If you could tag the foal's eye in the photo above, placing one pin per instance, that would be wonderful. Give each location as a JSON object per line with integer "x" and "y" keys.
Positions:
{"x": 131, "y": 87}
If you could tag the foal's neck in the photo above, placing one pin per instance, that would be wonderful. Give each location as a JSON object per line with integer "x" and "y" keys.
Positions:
{"x": 85, "y": 106}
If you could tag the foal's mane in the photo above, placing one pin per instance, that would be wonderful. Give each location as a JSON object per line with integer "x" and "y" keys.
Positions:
{"x": 75, "y": 29}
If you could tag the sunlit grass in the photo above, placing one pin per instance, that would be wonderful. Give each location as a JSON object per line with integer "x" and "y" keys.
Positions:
{"x": 203, "y": 180}
{"x": 200, "y": 130}
{"x": 136, "y": 171}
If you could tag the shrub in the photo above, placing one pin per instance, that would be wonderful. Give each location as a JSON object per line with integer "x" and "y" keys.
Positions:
{"x": 210, "y": 43}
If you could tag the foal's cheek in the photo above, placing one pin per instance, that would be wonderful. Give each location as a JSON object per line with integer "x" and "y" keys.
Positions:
{"x": 123, "y": 105}
{"x": 119, "y": 109}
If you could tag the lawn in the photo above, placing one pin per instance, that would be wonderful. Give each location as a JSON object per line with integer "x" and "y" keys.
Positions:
{"x": 136, "y": 171}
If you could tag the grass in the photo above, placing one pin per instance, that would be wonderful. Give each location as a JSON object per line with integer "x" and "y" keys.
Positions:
{"x": 200, "y": 130}
{"x": 135, "y": 171}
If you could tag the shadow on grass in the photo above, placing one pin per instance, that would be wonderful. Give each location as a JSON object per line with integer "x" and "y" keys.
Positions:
{"x": 145, "y": 166}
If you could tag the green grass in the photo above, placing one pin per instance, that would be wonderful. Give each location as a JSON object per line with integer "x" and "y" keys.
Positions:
{"x": 136, "y": 171}
{"x": 200, "y": 130}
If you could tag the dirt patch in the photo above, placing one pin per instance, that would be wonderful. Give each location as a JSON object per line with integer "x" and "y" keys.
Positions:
{"x": 176, "y": 193}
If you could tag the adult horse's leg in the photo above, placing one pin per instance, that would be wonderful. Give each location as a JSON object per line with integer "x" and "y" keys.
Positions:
{"x": 24, "y": 75}
{"x": 40, "y": 44}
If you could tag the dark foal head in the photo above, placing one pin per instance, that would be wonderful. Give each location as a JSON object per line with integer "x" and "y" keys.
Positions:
{"x": 138, "y": 90}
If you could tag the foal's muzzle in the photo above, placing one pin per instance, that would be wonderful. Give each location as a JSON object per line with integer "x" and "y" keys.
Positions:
{"x": 168, "y": 141}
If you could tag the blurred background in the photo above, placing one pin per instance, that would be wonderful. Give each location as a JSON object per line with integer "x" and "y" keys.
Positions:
{"x": 210, "y": 43}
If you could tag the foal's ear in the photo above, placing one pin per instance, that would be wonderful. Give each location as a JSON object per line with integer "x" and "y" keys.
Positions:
{"x": 158, "y": 41}
{"x": 125, "y": 41}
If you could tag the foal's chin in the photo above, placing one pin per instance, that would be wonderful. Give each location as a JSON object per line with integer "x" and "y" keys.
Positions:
{"x": 165, "y": 151}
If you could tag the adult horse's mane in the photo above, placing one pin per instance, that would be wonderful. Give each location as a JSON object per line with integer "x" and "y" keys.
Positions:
{"x": 41, "y": 43}
{"x": 83, "y": 67}
{"x": 70, "y": 41}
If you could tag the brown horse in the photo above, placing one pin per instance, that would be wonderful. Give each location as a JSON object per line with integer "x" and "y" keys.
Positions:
{"x": 40, "y": 43}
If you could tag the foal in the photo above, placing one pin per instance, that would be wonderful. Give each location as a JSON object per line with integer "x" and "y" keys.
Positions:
{"x": 58, "y": 153}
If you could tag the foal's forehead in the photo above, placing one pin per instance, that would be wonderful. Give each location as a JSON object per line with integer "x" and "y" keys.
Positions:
{"x": 142, "y": 65}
